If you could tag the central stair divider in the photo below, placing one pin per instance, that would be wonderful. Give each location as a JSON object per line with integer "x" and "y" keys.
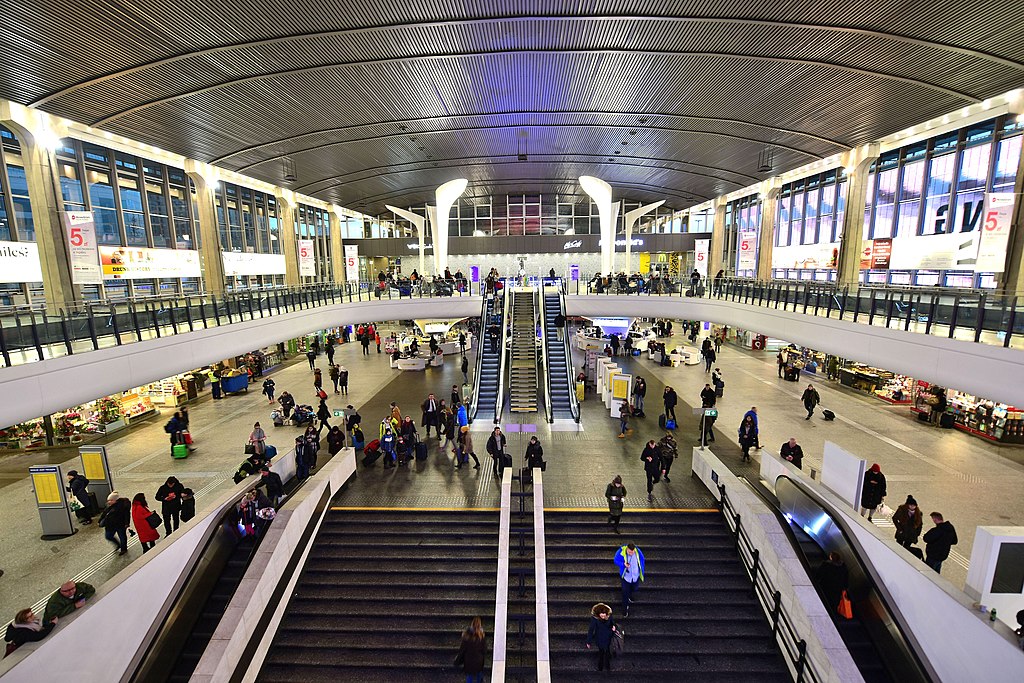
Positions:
{"x": 540, "y": 580}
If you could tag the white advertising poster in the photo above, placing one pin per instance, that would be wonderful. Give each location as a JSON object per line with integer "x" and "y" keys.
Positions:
{"x": 995, "y": 232}
{"x": 82, "y": 251}
{"x": 700, "y": 256}
{"x": 19, "y": 262}
{"x": 236, "y": 263}
{"x": 307, "y": 267}
{"x": 748, "y": 250}
{"x": 137, "y": 263}
{"x": 351, "y": 262}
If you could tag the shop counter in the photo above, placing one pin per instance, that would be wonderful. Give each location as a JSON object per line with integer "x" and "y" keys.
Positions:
{"x": 415, "y": 363}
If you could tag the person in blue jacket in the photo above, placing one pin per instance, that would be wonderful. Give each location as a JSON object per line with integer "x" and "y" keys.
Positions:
{"x": 752, "y": 414}
{"x": 463, "y": 416}
{"x": 630, "y": 561}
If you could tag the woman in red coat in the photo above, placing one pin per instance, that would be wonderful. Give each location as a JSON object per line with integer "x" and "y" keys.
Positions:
{"x": 140, "y": 514}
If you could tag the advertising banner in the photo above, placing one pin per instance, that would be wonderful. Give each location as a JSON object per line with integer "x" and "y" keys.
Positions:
{"x": 82, "y": 252}
{"x": 574, "y": 272}
{"x": 995, "y": 232}
{"x": 700, "y": 256}
{"x": 747, "y": 250}
{"x": 351, "y": 262}
{"x": 474, "y": 273}
{"x": 881, "y": 251}
{"x": 237, "y": 263}
{"x": 307, "y": 267}
{"x": 19, "y": 262}
{"x": 136, "y": 263}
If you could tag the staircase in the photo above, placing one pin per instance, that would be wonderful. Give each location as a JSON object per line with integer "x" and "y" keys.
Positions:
{"x": 523, "y": 364}
{"x": 693, "y": 615}
{"x": 559, "y": 371}
{"x": 385, "y": 595}
{"x": 488, "y": 375}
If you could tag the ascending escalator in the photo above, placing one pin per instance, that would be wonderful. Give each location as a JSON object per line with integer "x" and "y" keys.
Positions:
{"x": 556, "y": 353}
{"x": 488, "y": 368}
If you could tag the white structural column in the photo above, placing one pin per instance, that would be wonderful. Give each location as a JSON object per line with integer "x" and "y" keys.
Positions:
{"x": 601, "y": 193}
{"x": 204, "y": 178}
{"x": 770, "y": 190}
{"x": 337, "y": 249}
{"x": 419, "y": 222}
{"x": 630, "y": 219}
{"x": 289, "y": 246}
{"x": 857, "y": 162}
{"x": 445, "y": 196}
{"x": 716, "y": 259}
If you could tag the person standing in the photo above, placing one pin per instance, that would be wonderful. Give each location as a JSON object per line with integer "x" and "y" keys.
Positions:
{"x": 639, "y": 391}
{"x": 214, "y": 378}
{"x": 833, "y": 578}
{"x": 465, "y": 369}
{"x": 624, "y": 412}
{"x": 343, "y": 380}
{"x": 718, "y": 343}
{"x": 792, "y": 452}
{"x": 938, "y": 541}
{"x": 329, "y": 348}
{"x": 473, "y": 652}
{"x": 747, "y": 437}
{"x": 77, "y": 485}
{"x": 303, "y": 458}
{"x": 258, "y": 439}
{"x": 651, "y": 458}
{"x": 907, "y": 520}
{"x": 271, "y": 481}
{"x": 188, "y": 505}
{"x": 311, "y": 357}
{"x": 140, "y": 517}
{"x": 430, "y": 410}
{"x": 496, "y": 449}
{"x": 268, "y": 389}
{"x": 115, "y": 519}
{"x": 614, "y": 343}
{"x": 534, "y": 454}
{"x": 170, "y": 495}
{"x": 873, "y": 492}
{"x": 335, "y": 375}
{"x": 752, "y": 414}
{"x": 780, "y": 359}
{"x": 364, "y": 340}
{"x": 560, "y": 325}
{"x": 447, "y": 427}
{"x": 615, "y": 492}
{"x": 335, "y": 440}
{"x": 670, "y": 400}
{"x": 492, "y": 338}
{"x": 709, "y": 358}
{"x": 376, "y": 338}
{"x": 810, "y": 399}
{"x": 708, "y": 398}
{"x": 630, "y": 561}
{"x": 601, "y": 632}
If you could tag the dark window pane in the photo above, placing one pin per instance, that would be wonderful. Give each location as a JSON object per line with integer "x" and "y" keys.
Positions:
{"x": 135, "y": 229}
{"x": 161, "y": 231}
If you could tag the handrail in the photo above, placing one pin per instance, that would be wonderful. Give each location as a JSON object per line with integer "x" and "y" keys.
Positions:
{"x": 501, "y": 587}
{"x": 793, "y": 647}
{"x": 574, "y": 402}
{"x": 499, "y": 400}
{"x": 540, "y": 580}
{"x": 485, "y": 316}
{"x": 538, "y": 298}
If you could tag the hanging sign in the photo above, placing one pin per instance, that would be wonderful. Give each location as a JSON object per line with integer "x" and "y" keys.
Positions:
{"x": 139, "y": 263}
{"x": 19, "y": 262}
{"x": 307, "y": 266}
{"x": 700, "y": 256}
{"x": 351, "y": 262}
{"x": 748, "y": 250}
{"x": 574, "y": 272}
{"x": 995, "y": 232}
{"x": 82, "y": 251}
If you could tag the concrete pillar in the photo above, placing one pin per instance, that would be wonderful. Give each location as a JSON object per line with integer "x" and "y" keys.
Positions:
{"x": 289, "y": 247}
{"x": 766, "y": 233}
{"x": 1011, "y": 280}
{"x": 47, "y": 207}
{"x": 337, "y": 252}
{"x": 445, "y": 197}
{"x": 202, "y": 176}
{"x": 857, "y": 162}
{"x": 716, "y": 260}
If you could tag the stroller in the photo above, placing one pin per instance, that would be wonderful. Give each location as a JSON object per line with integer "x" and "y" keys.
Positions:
{"x": 302, "y": 415}
{"x": 278, "y": 417}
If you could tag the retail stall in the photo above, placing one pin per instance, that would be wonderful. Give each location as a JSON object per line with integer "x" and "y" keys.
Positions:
{"x": 977, "y": 416}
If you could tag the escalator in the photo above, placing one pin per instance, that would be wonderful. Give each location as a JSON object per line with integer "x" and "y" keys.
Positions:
{"x": 486, "y": 404}
{"x": 562, "y": 394}
{"x": 523, "y": 352}
{"x": 875, "y": 638}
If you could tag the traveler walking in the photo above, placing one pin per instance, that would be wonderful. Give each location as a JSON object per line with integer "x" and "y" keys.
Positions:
{"x": 455, "y": 395}
{"x": 752, "y": 414}
{"x": 323, "y": 413}
{"x": 496, "y": 449}
{"x": 77, "y": 485}
{"x": 709, "y": 358}
{"x": 810, "y": 399}
{"x": 639, "y": 392}
{"x": 708, "y": 397}
{"x": 473, "y": 652}
{"x": 615, "y": 492}
{"x": 311, "y": 357}
{"x": 329, "y": 348}
{"x": 318, "y": 381}
{"x": 907, "y": 520}
{"x": 873, "y": 492}
{"x": 833, "y": 578}
{"x": 145, "y": 522}
{"x": 465, "y": 369}
{"x": 792, "y": 452}
{"x": 343, "y": 380}
{"x": 534, "y": 455}
{"x": 630, "y": 561}
{"x": 115, "y": 519}
{"x": 747, "y": 437}
{"x": 268, "y": 389}
{"x": 464, "y": 449}
{"x": 718, "y": 383}
{"x": 670, "y": 400}
{"x": 718, "y": 343}
{"x": 601, "y": 632}
{"x": 651, "y": 459}
{"x": 624, "y": 412}
{"x": 175, "y": 428}
{"x": 430, "y": 409}
{"x": 170, "y": 497}
{"x": 938, "y": 541}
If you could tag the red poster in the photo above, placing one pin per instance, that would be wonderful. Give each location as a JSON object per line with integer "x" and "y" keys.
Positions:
{"x": 881, "y": 250}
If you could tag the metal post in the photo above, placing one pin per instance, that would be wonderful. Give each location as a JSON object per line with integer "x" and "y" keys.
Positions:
{"x": 933, "y": 304}
{"x": 776, "y": 611}
{"x": 1006, "y": 337}
{"x": 91, "y": 322}
{"x": 956, "y": 314}
{"x": 801, "y": 662}
{"x": 152, "y": 316}
{"x": 871, "y": 315}
{"x": 979, "y": 324}
{"x": 6, "y": 353}
{"x": 174, "y": 320}
{"x": 188, "y": 315}
{"x": 64, "y": 330}
{"x": 753, "y": 572}
{"x": 113, "y": 320}
{"x": 35, "y": 333}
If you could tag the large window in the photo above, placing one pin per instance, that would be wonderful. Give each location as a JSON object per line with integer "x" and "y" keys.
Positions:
{"x": 808, "y": 211}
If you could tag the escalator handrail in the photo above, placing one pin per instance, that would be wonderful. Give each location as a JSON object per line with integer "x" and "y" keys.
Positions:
{"x": 499, "y": 398}
{"x": 885, "y": 597}
{"x": 574, "y": 403}
{"x": 548, "y": 410}
{"x": 485, "y": 315}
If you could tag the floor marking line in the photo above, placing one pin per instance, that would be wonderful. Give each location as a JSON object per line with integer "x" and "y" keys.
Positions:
{"x": 361, "y": 508}
{"x": 634, "y": 509}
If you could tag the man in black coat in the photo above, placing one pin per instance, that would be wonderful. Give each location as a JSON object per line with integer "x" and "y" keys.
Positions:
{"x": 170, "y": 496}
{"x": 77, "y": 484}
{"x": 937, "y": 542}
{"x": 670, "y": 399}
{"x": 832, "y": 578}
{"x": 708, "y": 397}
{"x": 496, "y": 449}
{"x": 430, "y": 410}
{"x": 272, "y": 482}
{"x": 651, "y": 459}
{"x": 792, "y": 452}
{"x": 534, "y": 453}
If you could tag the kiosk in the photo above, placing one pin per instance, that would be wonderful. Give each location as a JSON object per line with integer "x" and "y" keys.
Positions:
{"x": 48, "y": 484}
{"x": 97, "y": 471}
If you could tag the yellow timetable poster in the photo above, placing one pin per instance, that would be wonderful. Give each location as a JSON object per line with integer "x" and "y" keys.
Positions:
{"x": 47, "y": 487}
{"x": 620, "y": 386}
{"x": 93, "y": 462}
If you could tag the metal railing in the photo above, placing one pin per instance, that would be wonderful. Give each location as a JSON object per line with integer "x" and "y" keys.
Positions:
{"x": 792, "y": 646}
{"x": 979, "y": 315}
{"x": 31, "y": 335}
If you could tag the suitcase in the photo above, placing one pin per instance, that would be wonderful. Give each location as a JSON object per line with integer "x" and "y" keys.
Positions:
{"x": 526, "y": 475}
{"x": 916, "y": 552}
{"x": 506, "y": 461}
{"x": 421, "y": 451}
{"x": 923, "y": 417}
{"x": 372, "y": 446}
{"x": 188, "y": 438}
{"x": 358, "y": 444}
{"x": 946, "y": 420}
{"x": 371, "y": 457}
{"x": 179, "y": 451}
{"x": 661, "y": 421}
{"x": 269, "y": 452}
{"x": 670, "y": 424}
{"x": 322, "y": 395}
{"x": 828, "y": 415}
{"x": 639, "y": 413}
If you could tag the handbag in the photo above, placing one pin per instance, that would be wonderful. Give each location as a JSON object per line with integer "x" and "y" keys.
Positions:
{"x": 845, "y": 608}
{"x": 250, "y": 449}
{"x": 153, "y": 520}
{"x": 618, "y": 645}
{"x": 187, "y": 437}
{"x": 883, "y": 510}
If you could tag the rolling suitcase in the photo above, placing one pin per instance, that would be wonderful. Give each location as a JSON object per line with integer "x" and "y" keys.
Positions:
{"x": 179, "y": 451}
{"x": 526, "y": 475}
{"x": 421, "y": 451}
{"x": 269, "y": 452}
{"x": 946, "y": 420}
{"x": 828, "y": 415}
{"x": 661, "y": 421}
{"x": 922, "y": 417}
{"x": 372, "y": 452}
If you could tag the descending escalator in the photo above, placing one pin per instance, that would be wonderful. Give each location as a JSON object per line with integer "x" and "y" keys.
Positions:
{"x": 488, "y": 375}
{"x": 558, "y": 367}
{"x": 523, "y": 352}
{"x": 384, "y": 596}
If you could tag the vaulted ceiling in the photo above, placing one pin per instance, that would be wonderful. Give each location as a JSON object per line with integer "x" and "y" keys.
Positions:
{"x": 380, "y": 102}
